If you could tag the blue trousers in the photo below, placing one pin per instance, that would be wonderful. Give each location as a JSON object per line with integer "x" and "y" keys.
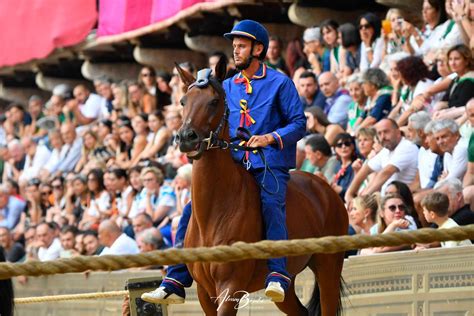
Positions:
{"x": 274, "y": 217}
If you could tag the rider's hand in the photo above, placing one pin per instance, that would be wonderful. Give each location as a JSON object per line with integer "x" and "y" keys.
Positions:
{"x": 260, "y": 140}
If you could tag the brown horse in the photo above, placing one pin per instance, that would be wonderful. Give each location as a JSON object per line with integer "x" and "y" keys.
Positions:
{"x": 226, "y": 209}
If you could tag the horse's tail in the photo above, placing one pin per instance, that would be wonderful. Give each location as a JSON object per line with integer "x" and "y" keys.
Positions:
{"x": 314, "y": 304}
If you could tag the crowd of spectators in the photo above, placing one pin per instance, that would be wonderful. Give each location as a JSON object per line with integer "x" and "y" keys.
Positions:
{"x": 389, "y": 104}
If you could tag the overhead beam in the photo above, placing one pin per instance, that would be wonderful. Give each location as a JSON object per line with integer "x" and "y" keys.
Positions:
{"x": 48, "y": 83}
{"x": 21, "y": 94}
{"x": 164, "y": 58}
{"x": 310, "y": 16}
{"x": 114, "y": 71}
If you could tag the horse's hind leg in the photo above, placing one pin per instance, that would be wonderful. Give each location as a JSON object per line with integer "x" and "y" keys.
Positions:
{"x": 292, "y": 304}
{"x": 207, "y": 304}
{"x": 328, "y": 268}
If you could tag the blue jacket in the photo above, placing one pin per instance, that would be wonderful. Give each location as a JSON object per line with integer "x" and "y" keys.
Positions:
{"x": 273, "y": 107}
{"x": 12, "y": 212}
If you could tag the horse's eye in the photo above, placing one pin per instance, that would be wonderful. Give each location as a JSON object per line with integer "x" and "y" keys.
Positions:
{"x": 183, "y": 101}
{"x": 214, "y": 103}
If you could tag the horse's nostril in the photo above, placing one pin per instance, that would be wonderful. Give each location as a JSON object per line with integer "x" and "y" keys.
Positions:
{"x": 191, "y": 135}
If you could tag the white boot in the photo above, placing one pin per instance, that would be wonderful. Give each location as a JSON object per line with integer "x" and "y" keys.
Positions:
{"x": 275, "y": 292}
{"x": 162, "y": 296}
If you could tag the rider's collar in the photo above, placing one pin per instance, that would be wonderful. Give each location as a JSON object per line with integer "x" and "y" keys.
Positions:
{"x": 260, "y": 74}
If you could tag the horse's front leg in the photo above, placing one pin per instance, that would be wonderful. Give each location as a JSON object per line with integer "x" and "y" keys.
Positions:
{"x": 230, "y": 299}
{"x": 208, "y": 303}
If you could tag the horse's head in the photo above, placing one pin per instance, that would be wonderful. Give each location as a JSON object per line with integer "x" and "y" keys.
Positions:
{"x": 203, "y": 109}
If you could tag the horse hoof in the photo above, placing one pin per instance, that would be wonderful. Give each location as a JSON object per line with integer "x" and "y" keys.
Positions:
{"x": 275, "y": 292}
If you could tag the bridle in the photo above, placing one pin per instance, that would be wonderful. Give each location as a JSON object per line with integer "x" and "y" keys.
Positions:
{"x": 213, "y": 141}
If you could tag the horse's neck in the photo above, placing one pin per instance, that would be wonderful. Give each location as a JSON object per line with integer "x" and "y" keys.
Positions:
{"x": 215, "y": 183}
{"x": 212, "y": 173}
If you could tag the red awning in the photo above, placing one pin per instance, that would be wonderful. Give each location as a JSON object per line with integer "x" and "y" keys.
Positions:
{"x": 32, "y": 29}
{"x": 124, "y": 19}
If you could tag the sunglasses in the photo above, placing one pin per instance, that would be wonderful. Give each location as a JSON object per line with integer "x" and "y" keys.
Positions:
{"x": 346, "y": 143}
{"x": 364, "y": 26}
{"x": 393, "y": 208}
{"x": 34, "y": 181}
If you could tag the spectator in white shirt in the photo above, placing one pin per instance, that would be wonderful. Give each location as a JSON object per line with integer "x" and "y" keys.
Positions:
{"x": 372, "y": 44}
{"x": 56, "y": 143}
{"x": 454, "y": 148}
{"x": 417, "y": 123}
{"x": 50, "y": 246}
{"x": 115, "y": 242}
{"x": 87, "y": 107}
{"x": 37, "y": 155}
{"x": 396, "y": 161}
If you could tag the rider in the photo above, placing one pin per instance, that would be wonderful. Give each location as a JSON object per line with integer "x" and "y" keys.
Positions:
{"x": 266, "y": 103}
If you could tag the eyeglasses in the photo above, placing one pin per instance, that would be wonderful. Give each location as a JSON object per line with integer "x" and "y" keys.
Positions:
{"x": 393, "y": 208}
{"x": 148, "y": 180}
{"x": 364, "y": 26}
{"x": 346, "y": 143}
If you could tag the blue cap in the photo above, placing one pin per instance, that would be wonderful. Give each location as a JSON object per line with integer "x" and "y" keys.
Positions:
{"x": 252, "y": 30}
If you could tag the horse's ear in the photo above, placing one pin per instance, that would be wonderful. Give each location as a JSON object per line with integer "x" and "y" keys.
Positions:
{"x": 185, "y": 76}
{"x": 221, "y": 69}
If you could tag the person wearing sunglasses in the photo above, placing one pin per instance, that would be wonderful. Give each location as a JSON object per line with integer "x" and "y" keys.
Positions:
{"x": 346, "y": 154}
{"x": 392, "y": 216}
{"x": 372, "y": 45}
{"x": 147, "y": 77}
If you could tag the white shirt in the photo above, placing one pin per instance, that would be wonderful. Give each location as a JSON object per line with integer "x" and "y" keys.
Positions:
{"x": 455, "y": 163}
{"x": 166, "y": 198}
{"x": 123, "y": 245}
{"x": 70, "y": 155}
{"x": 377, "y": 48}
{"x": 450, "y": 223}
{"x": 102, "y": 203}
{"x": 95, "y": 107}
{"x": 53, "y": 161}
{"x": 426, "y": 162}
{"x": 438, "y": 38}
{"x": 35, "y": 163}
{"x": 50, "y": 253}
{"x": 121, "y": 201}
{"x": 3, "y": 136}
{"x": 404, "y": 157}
{"x": 420, "y": 88}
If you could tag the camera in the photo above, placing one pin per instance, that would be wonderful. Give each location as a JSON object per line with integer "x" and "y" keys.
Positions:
{"x": 138, "y": 307}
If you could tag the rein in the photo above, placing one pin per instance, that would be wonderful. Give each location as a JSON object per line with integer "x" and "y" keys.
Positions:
{"x": 214, "y": 142}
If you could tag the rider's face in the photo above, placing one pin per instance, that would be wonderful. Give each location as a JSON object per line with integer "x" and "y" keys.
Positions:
{"x": 242, "y": 49}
